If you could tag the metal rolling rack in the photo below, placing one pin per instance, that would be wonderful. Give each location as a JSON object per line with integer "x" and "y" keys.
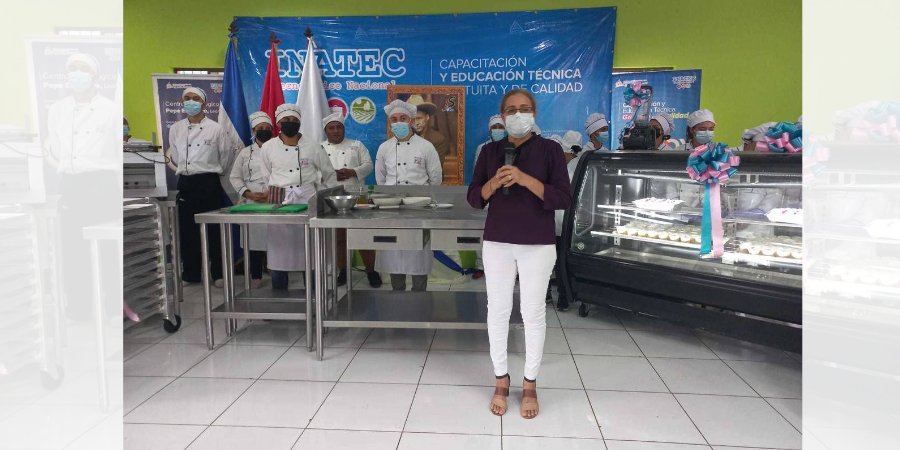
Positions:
{"x": 28, "y": 335}
{"x": 265, "y": 303}
{"x": 406, "y": 228}
{"x": 144, "y": 283}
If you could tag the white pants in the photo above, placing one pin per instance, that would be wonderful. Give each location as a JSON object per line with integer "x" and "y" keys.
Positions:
{"x": 534, "y": 264}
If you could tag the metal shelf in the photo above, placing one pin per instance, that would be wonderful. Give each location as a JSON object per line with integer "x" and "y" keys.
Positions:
{"x": 269, "y": 294}
{"x": 252, "y": 309}
{"x": 697, "y": 212}
{"x": 650, "y": 240}
{"x": 430, "y": 309}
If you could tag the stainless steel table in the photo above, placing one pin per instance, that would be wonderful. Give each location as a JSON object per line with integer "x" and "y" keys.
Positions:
{"x": 266, "y": 303}
{"x": 406, "y": 228}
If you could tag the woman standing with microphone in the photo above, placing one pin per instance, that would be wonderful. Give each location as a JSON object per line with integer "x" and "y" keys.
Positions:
{"x": 523, "y": 177}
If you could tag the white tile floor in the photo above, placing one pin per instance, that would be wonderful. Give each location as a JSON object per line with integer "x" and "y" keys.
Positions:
{"x": 612, "y": 380}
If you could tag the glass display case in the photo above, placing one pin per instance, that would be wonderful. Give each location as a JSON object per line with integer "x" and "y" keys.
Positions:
{"x": 633, "y": 238}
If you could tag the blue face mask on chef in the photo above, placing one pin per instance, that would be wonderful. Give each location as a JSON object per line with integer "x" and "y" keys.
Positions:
{"x": 497, "y": 134}
{"x": 80, "y": 81}
{"x": 192, "y": 107}
{"x": 704, "y": 136}
{"x": 125, "y": 130}
{"x": 400, "y": 129}
{"x": 603, "y": 138}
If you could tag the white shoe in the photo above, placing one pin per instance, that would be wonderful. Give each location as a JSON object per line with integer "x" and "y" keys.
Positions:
{"x": 219, "y": 283}
{"x": 256, "y": 283}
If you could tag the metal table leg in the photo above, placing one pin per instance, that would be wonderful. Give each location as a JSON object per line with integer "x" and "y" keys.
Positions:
{"x": 227, "y": 268}
{"x": 349, "y": 269}
{"x": 308, "y": 287}
{"x": 229, "y": 241}
{"x": 245, "y": 238}
{"x": 207, "y": 296}
{"x": 334, "y": 268}
{"x": 101, "y": 345}
{"x": 320, "y": 288}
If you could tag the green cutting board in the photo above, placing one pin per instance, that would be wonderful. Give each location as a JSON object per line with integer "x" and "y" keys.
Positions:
{"x": 253, "y": 207}
{"x": 299, "y": 207}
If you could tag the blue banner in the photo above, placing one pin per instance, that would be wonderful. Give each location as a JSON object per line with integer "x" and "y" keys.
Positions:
{"x": 564, "y": 57}
{"x": 676, "y": 92}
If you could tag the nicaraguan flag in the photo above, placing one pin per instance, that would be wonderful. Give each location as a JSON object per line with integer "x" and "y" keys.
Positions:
{"x": 233, "y": 111}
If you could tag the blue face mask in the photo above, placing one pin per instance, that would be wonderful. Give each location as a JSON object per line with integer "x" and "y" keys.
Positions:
{"x": 704, "y": 136}
{"x": 192, "y": 107}
{"x": 400, "y": 129}
{"x": 497, "y": 134}
{"x": 603, "y": 138}
{"x": 125, "y": 130}
{"x": 80, "y": 81}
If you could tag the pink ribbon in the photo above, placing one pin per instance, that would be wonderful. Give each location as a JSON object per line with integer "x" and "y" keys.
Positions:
{"x": 715, "y": 209}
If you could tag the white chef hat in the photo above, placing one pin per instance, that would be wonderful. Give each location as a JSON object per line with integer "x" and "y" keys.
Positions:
{"x": 194, "y": 90}
{"x": 287, "y": 110}
{"x": 700, "y": 116}
{"x": 570, "y": 139}
{"x": 88, "y": 60}
{"x": 758, "y": 133}
{"x": 665, "y": 121}
{"x": 496, "y": 120}
{"x": 399, "y": 106}
{"x": 336, "y": 116}
{"x": 595, "y": 122}
{"x": 558, "y": 139}
{"x": 258, "y": 118}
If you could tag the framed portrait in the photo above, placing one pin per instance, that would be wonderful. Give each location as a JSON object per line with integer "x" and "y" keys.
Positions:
{"x": 441, "y": 120}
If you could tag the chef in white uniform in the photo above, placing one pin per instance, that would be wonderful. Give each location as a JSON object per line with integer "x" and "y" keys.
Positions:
{"x": 248, "y": 181}
{"x": 294, "y": 168}
{"x": 497, "y": 130}
{"x": 406, "y": 159}
{"x": 199, "y": 151}
{"x": 352, "y": 163}
{"x": 597, "y": 129}
{"x": 82, "y": 145}
{"x": 663, "y": 123}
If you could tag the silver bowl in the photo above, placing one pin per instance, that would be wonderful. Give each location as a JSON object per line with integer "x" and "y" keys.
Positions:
{"x": 342, "y": 203}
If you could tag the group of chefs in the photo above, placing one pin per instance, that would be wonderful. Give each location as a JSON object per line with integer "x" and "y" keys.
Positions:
{"x": 281, "y": 166}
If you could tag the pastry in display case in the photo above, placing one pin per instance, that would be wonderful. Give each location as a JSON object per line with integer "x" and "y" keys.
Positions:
{"x": 638, "y": 238}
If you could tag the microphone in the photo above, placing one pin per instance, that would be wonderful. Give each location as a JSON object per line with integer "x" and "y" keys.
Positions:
{"x": 511, "y": 154}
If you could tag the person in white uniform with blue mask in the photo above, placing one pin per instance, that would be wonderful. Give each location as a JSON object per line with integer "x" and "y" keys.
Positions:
{"x": 84, "y": 150}
{"x": 497, "y": 131}
{"x": 352, "y": 163}
{"x": 664, "y": 124}
{"x": 597, "y": 129}
{"x": 294, "y": 168}
{"x": 200, "y": 153}
{"x": 406, "y": 159}
{"x": 248, "y": 181}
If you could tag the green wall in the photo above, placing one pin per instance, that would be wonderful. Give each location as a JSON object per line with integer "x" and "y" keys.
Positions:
{"x": 750, "y": 51}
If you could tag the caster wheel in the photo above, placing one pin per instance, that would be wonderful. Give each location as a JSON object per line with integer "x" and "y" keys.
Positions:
{"x": 583, "y": 310}
{"x": 51, "y": 379}
{"x": 172, "y": 327}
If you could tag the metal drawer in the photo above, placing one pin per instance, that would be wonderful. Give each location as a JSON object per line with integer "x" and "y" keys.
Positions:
{"x": 385, "y": 239}
{"x": 456, "y": 239}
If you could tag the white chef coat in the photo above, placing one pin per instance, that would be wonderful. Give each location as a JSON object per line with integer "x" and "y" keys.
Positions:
{"x": 199, "y": 147}
{"x": 414, "y": 162}
{"x": 305, "y": 167}
{"x": 84, "y": 137}
{"x": 350, "y": 154}
{"x": 247, "y": 174}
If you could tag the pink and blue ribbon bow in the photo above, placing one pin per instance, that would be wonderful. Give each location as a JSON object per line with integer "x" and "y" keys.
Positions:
{"x": 783, "y": 137}
{"x": 712, "y": 166}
